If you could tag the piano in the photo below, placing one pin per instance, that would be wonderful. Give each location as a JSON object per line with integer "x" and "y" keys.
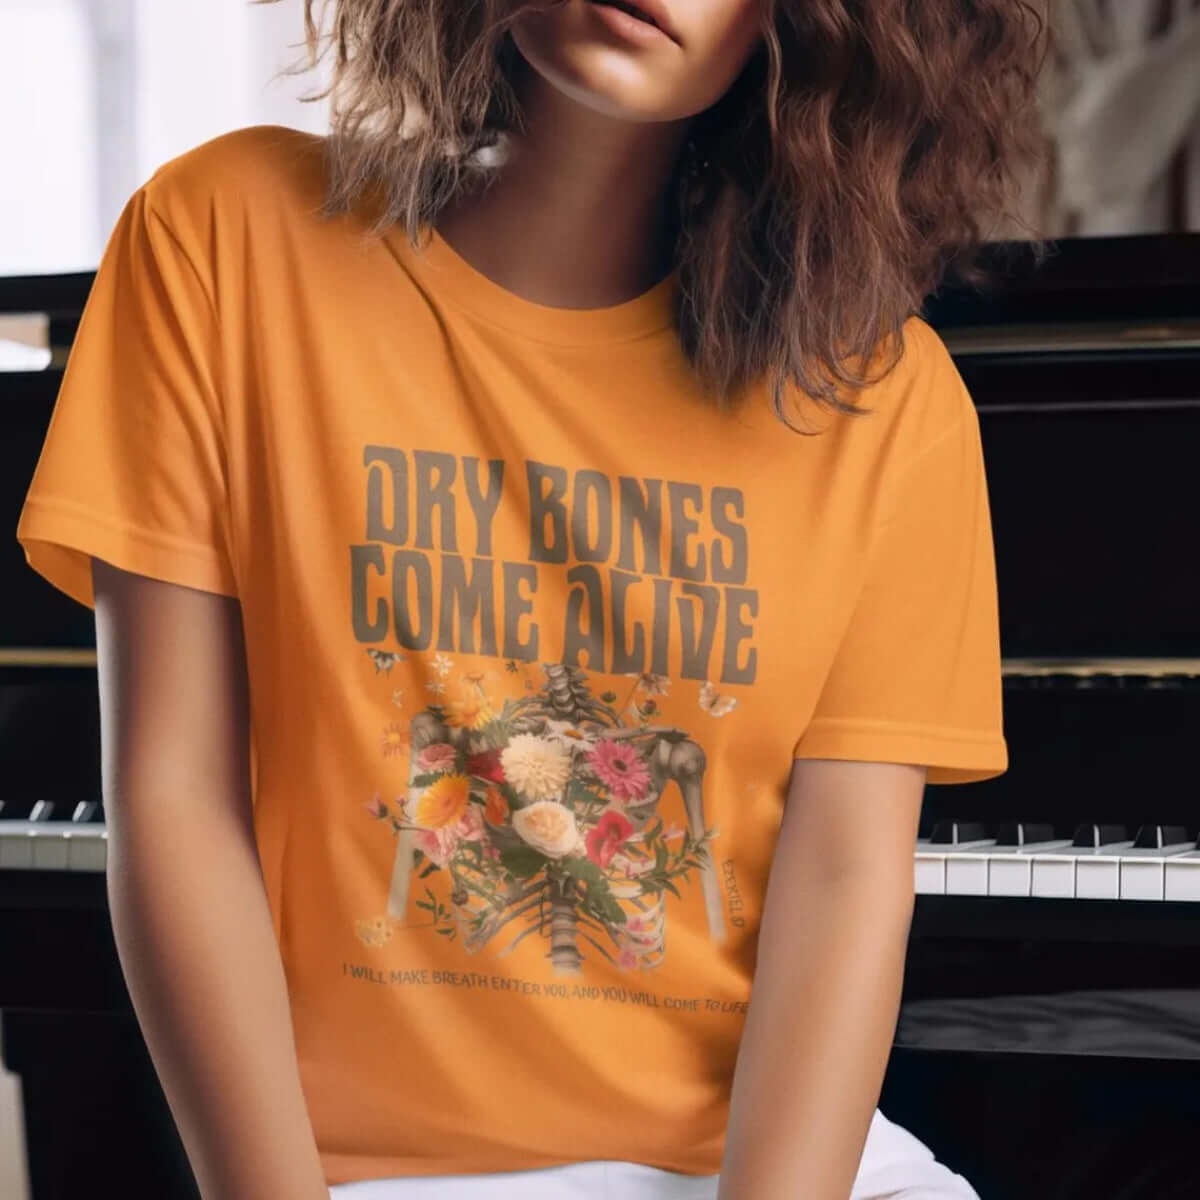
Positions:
{"x": 93, "y": 1117}
{"x": 1049, "y": 1037}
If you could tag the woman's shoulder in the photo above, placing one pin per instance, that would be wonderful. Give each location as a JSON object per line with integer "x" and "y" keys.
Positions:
{"x": 924, "y": 393}
{"x": 247, "y": 175}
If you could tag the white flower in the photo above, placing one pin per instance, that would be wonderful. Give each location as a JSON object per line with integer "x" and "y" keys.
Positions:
{"x": 436, "y": 686}
{"x": 568, "y": 736}
{"x": 547, "y": 826}
{"x": 442, "y": 664}
{"x": 536, "y": 767}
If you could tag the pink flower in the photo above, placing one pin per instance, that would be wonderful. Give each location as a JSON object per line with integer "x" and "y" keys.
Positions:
{"x": 439, "y": 756}
{"x": 607, "y": 837}
{"x": 376, "y": 807}
{"x": 621, "y": 769}
{"x": 627, "y": 960}
{"x": 470, "y": 824}
{"x": 439, "y": 845}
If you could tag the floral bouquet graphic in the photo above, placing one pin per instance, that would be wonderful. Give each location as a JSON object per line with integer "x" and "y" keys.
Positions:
{"x": 543, "y": 814}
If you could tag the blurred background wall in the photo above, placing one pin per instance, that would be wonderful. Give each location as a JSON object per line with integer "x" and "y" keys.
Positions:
{"x": 96, "y": 94}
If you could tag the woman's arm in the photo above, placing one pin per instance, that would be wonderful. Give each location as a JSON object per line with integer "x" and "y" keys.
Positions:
{"x": 189, "y": 909}
{"x": 827, "y": 983}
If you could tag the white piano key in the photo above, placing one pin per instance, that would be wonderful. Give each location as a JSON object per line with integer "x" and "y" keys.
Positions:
{"x": 1062, "y": 873}
{"x": 1143, "y": 873}
{"x": 50, "y": 847}
{"x": 1182, "y": 877}
{"x": 16, "y": 844}
{"x": 1098, "y": 877}
{"x": 966, "y": 868}
{"x": 88, "y": 848}
{"x": 1010, "y": 868}
{"x": 929, "y": 873}
{"x": 930, "y": 863}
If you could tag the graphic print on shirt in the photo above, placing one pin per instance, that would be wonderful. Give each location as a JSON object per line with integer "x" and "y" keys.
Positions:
{"x": 533, "y": 795}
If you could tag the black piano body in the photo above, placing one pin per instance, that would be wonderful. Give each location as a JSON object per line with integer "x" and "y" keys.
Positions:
{"x": 1049, "y": 1039}
{"x": 1048, "y": 1046}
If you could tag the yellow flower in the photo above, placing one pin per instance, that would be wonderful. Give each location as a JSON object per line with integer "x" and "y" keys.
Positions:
{"x": 443, "y": 802}
{"x": 472, "y": 712}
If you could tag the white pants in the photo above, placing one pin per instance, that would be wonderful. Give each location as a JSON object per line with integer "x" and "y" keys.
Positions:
{"x": 894, "y": 1166}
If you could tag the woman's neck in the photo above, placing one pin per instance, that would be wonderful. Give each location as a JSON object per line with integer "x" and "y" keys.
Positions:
{"x": 578, "y": 217}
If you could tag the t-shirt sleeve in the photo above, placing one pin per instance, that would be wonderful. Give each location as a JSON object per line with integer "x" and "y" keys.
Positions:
{"x": 916, "y": 677}
{"x": 133, "y": 468}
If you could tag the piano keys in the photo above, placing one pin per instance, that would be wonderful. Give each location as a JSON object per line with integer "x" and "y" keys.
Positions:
{"x": 1098, "y": 862}
{"x": 37, "y": 842}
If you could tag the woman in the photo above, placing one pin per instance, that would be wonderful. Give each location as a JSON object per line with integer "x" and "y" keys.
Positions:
{"x": 495, "y": 584}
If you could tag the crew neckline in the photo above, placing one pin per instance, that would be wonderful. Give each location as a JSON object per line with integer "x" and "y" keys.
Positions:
{"x": 451, "y": 277}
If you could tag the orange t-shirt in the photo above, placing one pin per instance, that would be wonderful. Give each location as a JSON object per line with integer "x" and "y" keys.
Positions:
{"x": 533, "y": 635}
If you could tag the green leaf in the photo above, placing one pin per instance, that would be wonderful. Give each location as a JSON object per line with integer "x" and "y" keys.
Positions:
{"x": 494, "y": 733}
{"x": 428, "y": 870}
{"x": 584, "y": 869}
{"x": 446, "y": 932}
{"x": 523, "y": 861}
{"x": 599, "y": 885}
{"x": 671, "y": 888}
{"x": 426, "y": 780}
{"x": 583, "y": 794}
{"x": 608, "y": 697}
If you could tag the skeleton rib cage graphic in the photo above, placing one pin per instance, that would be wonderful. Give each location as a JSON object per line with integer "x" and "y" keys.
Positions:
{"x": 499, "y": 880}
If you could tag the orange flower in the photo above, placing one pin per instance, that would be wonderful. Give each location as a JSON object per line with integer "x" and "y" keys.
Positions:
{"x": 495, "y": 809}
{"x": 443, "y": 802}
{"x": 472, "y": 712}
{"x": 395, "y": 738}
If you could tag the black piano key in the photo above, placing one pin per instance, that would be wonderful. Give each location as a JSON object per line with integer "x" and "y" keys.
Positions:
{"x": 1099, "y": 835}
{"x": 1153, "y": 837}
{"x": 1024, "y": 833}
{"x": 16, "y": 808}
{"x": 954, "y": 833}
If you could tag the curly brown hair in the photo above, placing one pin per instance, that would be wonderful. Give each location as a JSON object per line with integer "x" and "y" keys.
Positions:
{"x": 860, "y": 157}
